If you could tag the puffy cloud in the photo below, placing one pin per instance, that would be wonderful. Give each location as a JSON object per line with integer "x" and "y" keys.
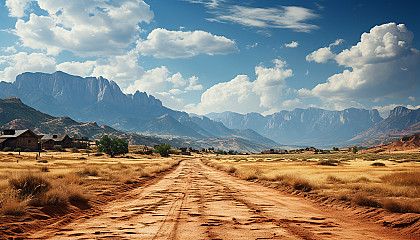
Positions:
{"x": 160, "y": 83}
{"x": 236, "y": 95}
{"x": 242, "y": 95}
{"x": 321, "y": 55}
{"x": 383, "y": 43}
{"x": 86, "y": 28}
{"x": 382, "y": 65}
{"x": 412, "y": 98}
{"x": 24, "y": 62}
{"x": 270, "y": 82}
{"x": 290, "y": 17}
{"x": 293, "y": 44}
{"x": 162, "y": 43}
{"x": 17, "y": 7}
{"x": 324, "y": 54}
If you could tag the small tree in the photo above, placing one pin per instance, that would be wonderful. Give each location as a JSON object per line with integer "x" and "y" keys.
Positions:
{"x": 355, "y": 149}
{"x": 112, "y": 147}
{"x": 335, "y": 148}
{"x": 163, "y": 149}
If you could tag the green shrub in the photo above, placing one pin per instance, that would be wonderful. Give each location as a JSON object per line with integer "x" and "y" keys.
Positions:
{"x": 163, "y": 149}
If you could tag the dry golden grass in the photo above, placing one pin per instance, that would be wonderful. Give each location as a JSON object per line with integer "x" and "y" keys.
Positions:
{"x": 61, "y": 178}
{"x": 393, "y": 185}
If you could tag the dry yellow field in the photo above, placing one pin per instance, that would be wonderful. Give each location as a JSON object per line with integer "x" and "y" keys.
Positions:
{"x": 391, "y": 181}
{"x": 69, "y": 176}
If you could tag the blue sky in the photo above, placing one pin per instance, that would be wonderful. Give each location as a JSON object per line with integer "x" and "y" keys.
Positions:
{"x": 206, "y": 56}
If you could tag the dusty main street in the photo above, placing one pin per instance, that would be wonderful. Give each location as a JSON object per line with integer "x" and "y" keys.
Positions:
{"x": 197, "y": 202}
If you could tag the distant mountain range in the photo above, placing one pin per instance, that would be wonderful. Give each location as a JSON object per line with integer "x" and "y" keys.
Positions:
{"x": 400, "y": 122}
{"x": 16, "y": 115}
{"x": 99, "y": 100}
{"x": 305, "y": 127}
{"x": 405, "y": 143}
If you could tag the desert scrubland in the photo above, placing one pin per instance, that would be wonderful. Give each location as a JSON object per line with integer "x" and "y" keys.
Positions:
{"x": 85, "y": 194}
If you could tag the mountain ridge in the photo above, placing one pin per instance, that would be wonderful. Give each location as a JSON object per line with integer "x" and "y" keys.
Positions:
{"x": 304, "y": 126}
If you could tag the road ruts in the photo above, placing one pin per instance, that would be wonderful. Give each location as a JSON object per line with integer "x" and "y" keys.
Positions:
{"x": 198, "y": 202}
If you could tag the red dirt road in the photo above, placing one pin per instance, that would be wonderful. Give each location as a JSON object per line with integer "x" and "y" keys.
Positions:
{"x": 197, "y": 202}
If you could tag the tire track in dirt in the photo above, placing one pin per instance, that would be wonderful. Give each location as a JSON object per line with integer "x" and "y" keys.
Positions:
{"x": 197, "y": 202}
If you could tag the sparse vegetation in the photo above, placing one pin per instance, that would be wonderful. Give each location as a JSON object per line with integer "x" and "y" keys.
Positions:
{"x": 352, "y": 179}
{"x": 112, "y": 146}
{"x": 163, "y": 149}
{"x": 67, "y": 180}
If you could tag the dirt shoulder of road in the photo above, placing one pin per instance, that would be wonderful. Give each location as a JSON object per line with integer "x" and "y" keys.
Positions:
{"x": 406, "y": 224}
{"x": 100, "y": 192}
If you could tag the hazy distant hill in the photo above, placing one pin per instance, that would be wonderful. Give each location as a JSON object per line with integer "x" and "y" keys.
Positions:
{"x": 97, "y": 99}
{"x": 405, "y": 143}
{"x": 310, "y": 126}
{"x": 400, "y": 122}
{"x": 16, "y": 115}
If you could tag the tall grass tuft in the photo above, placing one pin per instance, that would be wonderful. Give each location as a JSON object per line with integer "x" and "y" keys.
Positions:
{"x": 29, "y": 184}
{"x": 403, "y": 179}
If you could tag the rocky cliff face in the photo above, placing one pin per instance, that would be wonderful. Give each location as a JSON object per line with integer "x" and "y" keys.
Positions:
{"x": 98, "y": 99}
{"x": 80, "y": 98}
{"x": 310, "y": 126}
{"x": 401, "y": 121}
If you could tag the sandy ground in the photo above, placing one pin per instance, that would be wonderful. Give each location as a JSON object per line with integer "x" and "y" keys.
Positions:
{"x": 197, "y": 202}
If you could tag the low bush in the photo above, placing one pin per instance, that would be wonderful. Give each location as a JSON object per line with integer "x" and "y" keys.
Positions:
{"x": 18, "y": 150}
{"x": 329, "y": 162}
{"x": 98, "y": 154}
{"x": 403, "y": 179}
{"x": 301, "y": 185}
{"x": 12, "y": 206}
{"x": 27, "y": 150}
{"x": 378, "y": 164}
{"x": 401, "y": 206}
{"x": 362, "y": 199}
{"x": 29, "y": 184}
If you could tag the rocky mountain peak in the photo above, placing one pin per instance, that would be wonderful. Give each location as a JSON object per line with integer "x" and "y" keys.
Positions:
{"x": 399, "y": 111}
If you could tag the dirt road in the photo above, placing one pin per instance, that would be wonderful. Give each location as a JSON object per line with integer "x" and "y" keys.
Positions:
{"x": 197, "y": 202}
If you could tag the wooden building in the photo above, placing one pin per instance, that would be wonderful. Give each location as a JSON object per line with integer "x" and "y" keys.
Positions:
{"x": 48, "y": 141}
{"x": 23, "y": 139}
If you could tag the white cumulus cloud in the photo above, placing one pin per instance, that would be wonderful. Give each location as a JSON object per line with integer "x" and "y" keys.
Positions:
{"x": 383, "y": 64}
{"x": 162, "y": 43}
{"x": 86, "y": 27}
{"x": 242, "y": 95}
{"x": 293, "y": 44}
{"x": 23, "y": 62}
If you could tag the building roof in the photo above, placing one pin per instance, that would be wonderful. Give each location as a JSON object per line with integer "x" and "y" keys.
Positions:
{"x": 17, "y": 134}
{"x": 54, "y": 137}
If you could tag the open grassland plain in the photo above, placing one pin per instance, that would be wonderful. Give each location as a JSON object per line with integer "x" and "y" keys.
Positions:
{"x": 36, "y": 191}
{"x": 382, "y": 187}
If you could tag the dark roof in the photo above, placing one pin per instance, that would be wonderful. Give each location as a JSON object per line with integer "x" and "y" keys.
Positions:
{"x": 58, "y": 138}
{"x": 17, "y": 134}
